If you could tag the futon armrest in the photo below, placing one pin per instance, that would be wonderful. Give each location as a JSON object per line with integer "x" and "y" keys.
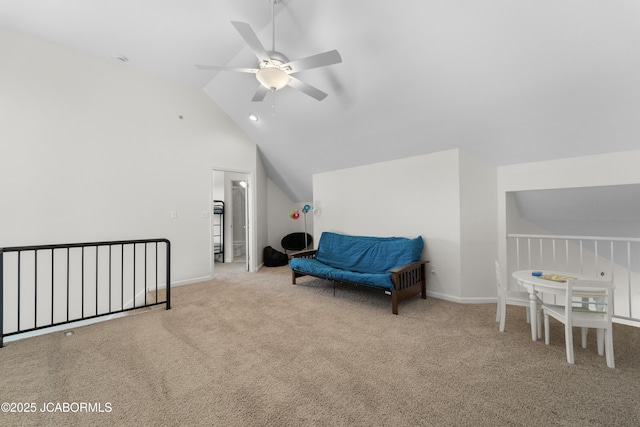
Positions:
{"x": 408, "y": 275}
{"x": 305, "y": 254}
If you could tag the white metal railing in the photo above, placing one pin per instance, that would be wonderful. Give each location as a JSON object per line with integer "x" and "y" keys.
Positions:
{"x": 613, "y": 258}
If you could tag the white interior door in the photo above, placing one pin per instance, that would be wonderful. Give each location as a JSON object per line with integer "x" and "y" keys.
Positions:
{"x": 240, "y": 220}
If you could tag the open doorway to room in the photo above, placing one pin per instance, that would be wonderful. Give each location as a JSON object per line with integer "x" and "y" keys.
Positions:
{"x": 230, "y": 233}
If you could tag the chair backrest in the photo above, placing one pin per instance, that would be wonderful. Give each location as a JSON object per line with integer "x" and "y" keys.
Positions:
{"x": 590, "y": 297}
{"x": 296, "y": 241}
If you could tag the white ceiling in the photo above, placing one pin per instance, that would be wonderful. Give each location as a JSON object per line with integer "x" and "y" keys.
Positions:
{"x": 509, "y": 81}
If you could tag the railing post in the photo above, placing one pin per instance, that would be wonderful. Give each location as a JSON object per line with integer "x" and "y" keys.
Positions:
{"x": 168, "y": 279}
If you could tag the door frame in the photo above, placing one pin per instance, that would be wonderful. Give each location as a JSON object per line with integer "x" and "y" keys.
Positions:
{"x": 250, "y": 214}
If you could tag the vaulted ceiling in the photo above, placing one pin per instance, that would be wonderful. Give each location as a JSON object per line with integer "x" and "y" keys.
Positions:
{"x": 509, "y": 81}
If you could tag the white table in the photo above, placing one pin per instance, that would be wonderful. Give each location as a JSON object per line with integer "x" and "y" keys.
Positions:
{"x": 535, "y": 284}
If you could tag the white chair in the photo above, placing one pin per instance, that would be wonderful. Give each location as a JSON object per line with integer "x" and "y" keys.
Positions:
{"x": 589, "y": 304}
{"x": 509, "y": 297}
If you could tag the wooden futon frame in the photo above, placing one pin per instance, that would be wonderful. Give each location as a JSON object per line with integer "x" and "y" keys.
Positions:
{"x": 408, "y": 280}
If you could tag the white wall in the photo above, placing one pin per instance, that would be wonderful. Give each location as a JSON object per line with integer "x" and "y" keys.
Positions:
{"x": 94, "y": 150}
{"x": 261, "y": 227}
{"x": 450, "y": 198}
{"x": 417, "y": 196}
{"x": 514, "y": 223}
{"x": 478, "y": 227}
{"x": 280, "y": 223}
{"x": 587, "y": 171}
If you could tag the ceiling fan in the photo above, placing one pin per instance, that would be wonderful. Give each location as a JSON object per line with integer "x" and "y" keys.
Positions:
{"x": 274, "y": 69}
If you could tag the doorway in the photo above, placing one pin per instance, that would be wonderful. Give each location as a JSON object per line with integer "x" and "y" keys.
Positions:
{"x": 230, "y": 231}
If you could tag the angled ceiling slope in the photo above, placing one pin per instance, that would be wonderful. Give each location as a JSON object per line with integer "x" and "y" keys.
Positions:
{"x": 509, "y": 82}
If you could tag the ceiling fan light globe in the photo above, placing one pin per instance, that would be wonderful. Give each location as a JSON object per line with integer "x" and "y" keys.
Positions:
{"x": 273, "y": 78}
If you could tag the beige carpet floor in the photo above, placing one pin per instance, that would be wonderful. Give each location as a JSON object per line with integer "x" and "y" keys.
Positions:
{"x": 250, "y": 349}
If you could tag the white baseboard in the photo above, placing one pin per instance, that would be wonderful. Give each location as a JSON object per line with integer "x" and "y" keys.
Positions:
{"x": 472, "y": 300}
{"x": 192, "y": 281}
{"x": 181, "y": 282}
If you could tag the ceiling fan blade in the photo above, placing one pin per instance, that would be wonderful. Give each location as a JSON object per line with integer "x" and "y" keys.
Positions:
{"x": 260, "y": 94}
{"x": 306, "y": 88}
{"x": 251, "y": 39}
{"x": 215, "y": 67}
{"x": 320, "y": 60}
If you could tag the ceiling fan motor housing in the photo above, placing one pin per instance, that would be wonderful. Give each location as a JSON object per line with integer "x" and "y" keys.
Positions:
{"x": 272, "y": 75}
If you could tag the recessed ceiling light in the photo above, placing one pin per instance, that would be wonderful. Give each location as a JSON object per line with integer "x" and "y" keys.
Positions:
{"x": 253, "y": 117}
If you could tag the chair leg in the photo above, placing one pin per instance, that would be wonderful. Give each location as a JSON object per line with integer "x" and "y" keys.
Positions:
{"x": 528, "y": 315}
{"x": 498, "y": 309}
{"x": 600, "y": 337}
{"x": 608, "y": 337}
{"x": 568, "y": 337}
{"x": 584, "y": 337}
{"x": 503, "y": 314}
{"x": 539, "y": 322}
{"x": 546, "y": 328}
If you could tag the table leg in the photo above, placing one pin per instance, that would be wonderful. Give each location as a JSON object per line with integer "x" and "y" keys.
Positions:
{"x": 533, "y": 305}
